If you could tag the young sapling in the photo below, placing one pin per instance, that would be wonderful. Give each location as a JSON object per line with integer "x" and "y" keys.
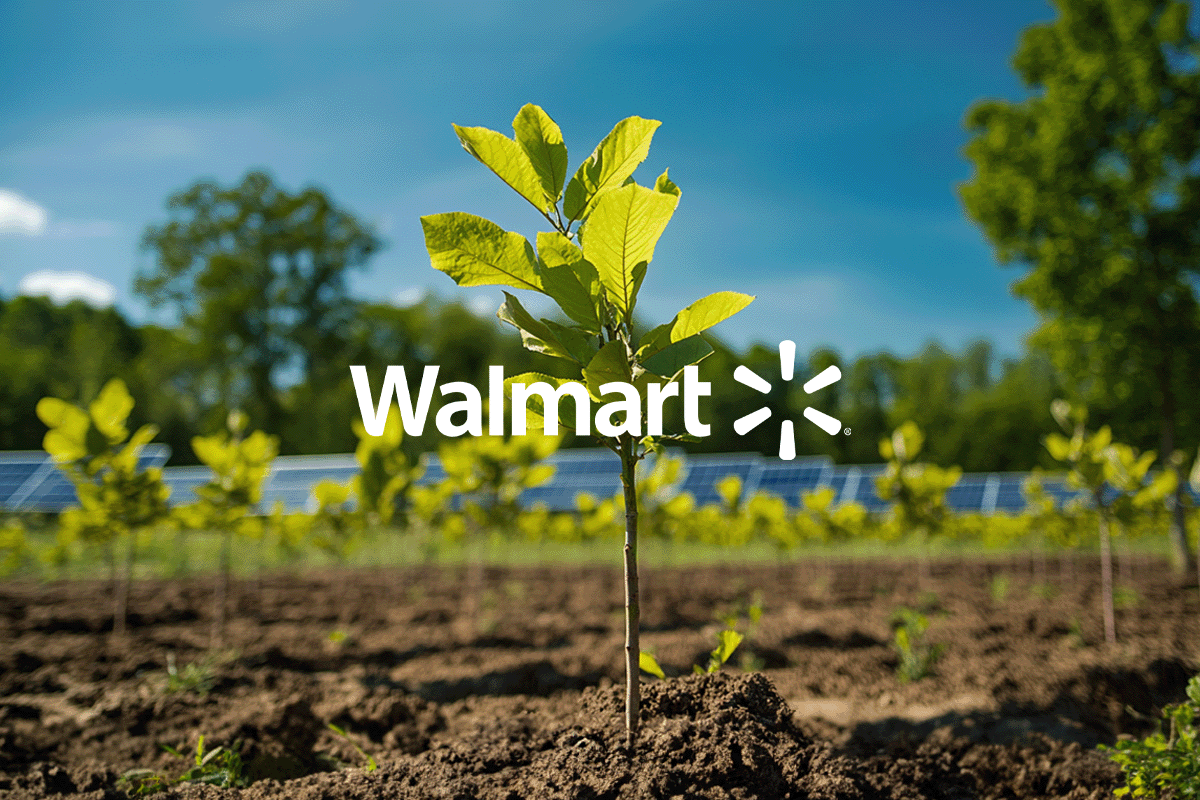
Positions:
{"x": 604, "y": 228}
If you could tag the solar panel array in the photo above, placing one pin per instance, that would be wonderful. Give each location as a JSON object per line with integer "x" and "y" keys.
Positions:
{"x": 29, "y": 480}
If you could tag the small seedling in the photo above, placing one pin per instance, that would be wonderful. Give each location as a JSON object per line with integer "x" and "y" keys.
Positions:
{"x": 1164, "y": 765}
{"x": 917, "y": 657}
{"x": 221, "y": 766}
{"x": 727, "y": 642}
{"x": 753, "y": 611}
{"x": 1074, "y": 635}
{"x": 372, "y": 765}
{"x": 143, "y": 782}
{"x": 197, "y": 677}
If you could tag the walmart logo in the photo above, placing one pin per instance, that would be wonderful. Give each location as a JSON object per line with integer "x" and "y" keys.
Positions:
{"x": 787, "y": 432}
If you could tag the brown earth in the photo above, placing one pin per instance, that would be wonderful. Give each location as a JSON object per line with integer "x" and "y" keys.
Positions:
{"x": 514, "y": 688}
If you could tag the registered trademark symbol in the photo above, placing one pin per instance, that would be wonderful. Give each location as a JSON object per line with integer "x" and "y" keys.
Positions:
{"x": 847, "y": 431}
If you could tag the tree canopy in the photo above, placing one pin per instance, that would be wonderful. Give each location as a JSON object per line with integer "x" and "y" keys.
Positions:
{"x": 258, "y": 278}
{"x": 1093, "y": 181}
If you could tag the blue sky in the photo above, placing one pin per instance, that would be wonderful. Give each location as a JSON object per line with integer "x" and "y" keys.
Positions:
{"x": 817, "y": 144}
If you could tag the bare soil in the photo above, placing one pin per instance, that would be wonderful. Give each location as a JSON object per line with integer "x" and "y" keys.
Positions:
{"x": 513, "y": 688}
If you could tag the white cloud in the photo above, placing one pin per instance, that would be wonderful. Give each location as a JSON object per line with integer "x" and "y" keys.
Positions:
{"x": 21, "y": 215}
{"x": 62, "y": 287}
{"x": 483, "y": 305}
{"x": 404, "y": 298}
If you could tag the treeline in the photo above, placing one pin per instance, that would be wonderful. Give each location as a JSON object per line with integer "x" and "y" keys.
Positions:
{"x": 988, "y": 413}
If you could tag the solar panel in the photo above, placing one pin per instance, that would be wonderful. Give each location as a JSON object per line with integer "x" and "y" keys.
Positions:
{"x": 596, "y": 471}
{"x": 184, "y": 481}
{"x": 1010, "y": 495}
{"x": 856, "y": 484}
{"x": 292, "y": 479}
{"x": 792, "y": 479}
{"x": 968, "y": 494}
{"x": 29, "y": 480}
{"x": 54, "y": 492}
{"x": 703, "y": 473}
{"x": 20, "y": 471}
{"x": 433, "y": 473}
{"x": 1058, "y": 489}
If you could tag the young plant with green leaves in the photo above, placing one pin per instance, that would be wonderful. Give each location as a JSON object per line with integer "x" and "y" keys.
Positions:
{"x": 239, "y": 467}
{"x": 386, "y": 476}
{"x": 1115, "y": 479}
{"x": 604, "y": 228}
{"x": 917, "y": 656}
{"x": 1164, "y": 764}
{"x": 727, "y": 642}
{"x": 15, "y": 548}
{"x": 117, "y": 499}
{"x": 490, "y": 473}
{"x": 916, "y": 491}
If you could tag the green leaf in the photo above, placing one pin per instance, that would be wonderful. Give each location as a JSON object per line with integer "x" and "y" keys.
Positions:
{"x": 609, "y": 365}
{"x": 579, "y": 344}
{"x": 666, "y": 185}
{"x": 331, "y": 495}
{"x": 727, "y": 642}
{"x": 696, "y": 318}
{"x": 535, "y": 335}
{"x": 649, "y": 663}
{"x": 110, "y": 409}
{"x": 613, "y": 160}
{"x": 620, "y": 235}
{"x": 68, "y": 424}
{"x": 1059, "y": 447}
{"x": 477, "y": 252}
{"x": 669, "y": 361}
{"x": 570, "y": 280}
{"x": 542, "y": 142}
{"x": 508, "y": 159}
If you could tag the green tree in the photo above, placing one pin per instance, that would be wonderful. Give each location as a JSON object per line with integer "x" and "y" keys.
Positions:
{"x": 258, "y": 277}
{"x": 1092, "y": 182}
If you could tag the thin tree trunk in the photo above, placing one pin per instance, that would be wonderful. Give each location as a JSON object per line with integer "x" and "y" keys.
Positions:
{"x": 121, "y": 605}
{"x": 633, "y": 688}
{"x": 221, "y": 601}
{"x": 1106, "y": 581}
{"x": 1124, "y": 567}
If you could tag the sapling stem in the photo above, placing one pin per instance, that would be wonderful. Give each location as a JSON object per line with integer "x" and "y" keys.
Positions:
{"x": 221, "y": 602}
{"x": 633, "y": 688}
{"x": 121, "y": 607}
{"x": 1106, "y": 576}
